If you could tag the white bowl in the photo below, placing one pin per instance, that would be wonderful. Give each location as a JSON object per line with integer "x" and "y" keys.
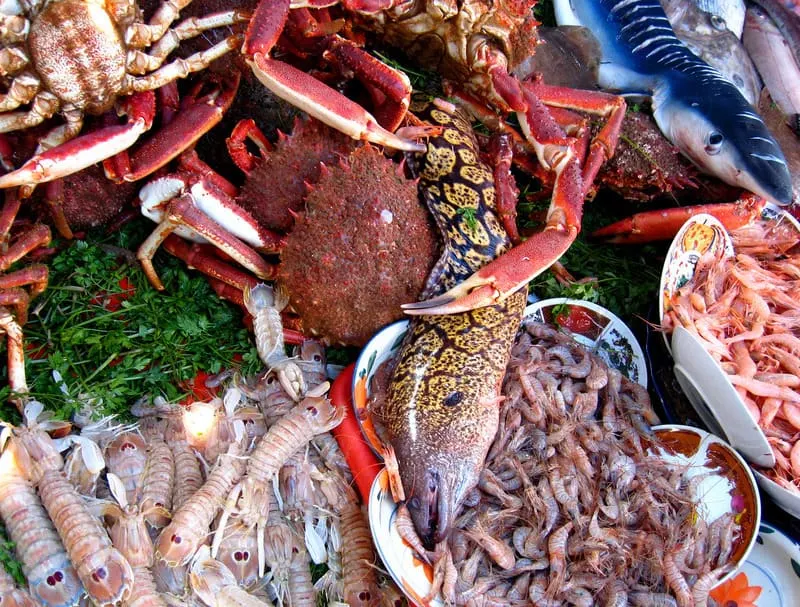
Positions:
{"x": 705, "y": 383}
{"x": 783, "y": 497}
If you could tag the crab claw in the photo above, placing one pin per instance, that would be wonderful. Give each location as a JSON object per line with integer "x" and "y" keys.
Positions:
{"x": 664, "y": 224}
{"x": 504, "y": 276}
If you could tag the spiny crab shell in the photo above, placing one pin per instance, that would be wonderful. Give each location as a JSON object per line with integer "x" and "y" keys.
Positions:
{"x": 364, "y": 244}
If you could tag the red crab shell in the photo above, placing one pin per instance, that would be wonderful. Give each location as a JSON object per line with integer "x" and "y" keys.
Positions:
{"x": 364, "y": 245}
{"x": 276, "y": 186}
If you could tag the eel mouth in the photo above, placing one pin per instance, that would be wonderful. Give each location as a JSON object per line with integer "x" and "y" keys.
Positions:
{"x": 432, "y": 508}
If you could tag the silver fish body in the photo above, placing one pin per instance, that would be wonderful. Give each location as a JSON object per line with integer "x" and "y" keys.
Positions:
{"x": 707, "y": 36}
{"x": 700, "y": 112}
{"x": 775, "y": 61}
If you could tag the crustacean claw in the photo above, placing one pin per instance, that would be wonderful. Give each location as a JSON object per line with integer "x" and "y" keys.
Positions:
{"x": 291, "y": 379}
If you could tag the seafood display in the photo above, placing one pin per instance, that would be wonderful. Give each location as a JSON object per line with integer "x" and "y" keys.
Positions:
{"x": 343, "y": 193}
{"x": 551, "y": 516}
{"x": 741, "y": 309}
{"x": 688, "y": 95}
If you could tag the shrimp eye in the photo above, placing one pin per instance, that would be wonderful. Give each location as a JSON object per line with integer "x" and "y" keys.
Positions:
{"x": 237, "y": 556}
{"x": 100, "y": 574}
{"x": 176, "y": 539}
{"x": 714, "y": 141}
{"x": 59, "y": 576}
{"x": 364, "y": 595}
{"x": 313, "y": 410}
{"x": 51, "y": 580}
{"x": 245, "y": 556}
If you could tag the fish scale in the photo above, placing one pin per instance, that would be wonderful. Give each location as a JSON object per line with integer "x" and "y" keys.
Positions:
{"x": 442, "y": 408}
{"x": 700, "y": 112}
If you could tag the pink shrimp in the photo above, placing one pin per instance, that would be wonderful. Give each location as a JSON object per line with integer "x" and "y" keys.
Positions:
{"x": 51, "y": 578}
{"x": 301, "y": 589}
{"x": 180, "y": 539}
{"x": 215, "y": 585}
{"x": 496, "y": 549}
{"x": 676, "y": 581}
{"x": 557, "y": 550}
{"x": 238, "y": 552}
{"x": 126, "y": 456}
{"x": 188, "y": 477}
{"x": 358, "y": 556}
{"x": 760, "y": 388}
{"x": 157, "y": 481}
{"x": 313, "y": 415}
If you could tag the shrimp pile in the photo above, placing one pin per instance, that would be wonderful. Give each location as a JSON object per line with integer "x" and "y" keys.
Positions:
{"x": 572, "y": 507}
{"x": 745, "y": 310}
{"x": 227, "y": 502}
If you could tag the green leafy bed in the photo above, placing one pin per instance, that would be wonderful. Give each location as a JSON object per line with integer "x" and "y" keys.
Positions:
{"x": 102, "y": 335}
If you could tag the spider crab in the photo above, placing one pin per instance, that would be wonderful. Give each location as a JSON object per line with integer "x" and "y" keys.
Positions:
{"x": 88, "y": 57}
{"x": 339, "y": 217}
{"x": 475, "y": 45}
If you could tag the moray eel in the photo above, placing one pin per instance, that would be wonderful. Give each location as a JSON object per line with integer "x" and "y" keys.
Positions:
{"x": 700, "y": 112}
{"x": 442, "y": 408}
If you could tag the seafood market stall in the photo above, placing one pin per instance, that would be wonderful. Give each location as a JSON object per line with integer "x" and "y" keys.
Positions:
{"x": 382, "y": 303}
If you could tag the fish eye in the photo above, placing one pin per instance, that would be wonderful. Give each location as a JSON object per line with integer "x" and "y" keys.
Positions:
{"x": 718, "y": 23}
{"x": 714, "y": 142}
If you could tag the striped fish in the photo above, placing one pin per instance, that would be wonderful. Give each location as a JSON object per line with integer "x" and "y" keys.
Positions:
{"x": 699, "y": 111}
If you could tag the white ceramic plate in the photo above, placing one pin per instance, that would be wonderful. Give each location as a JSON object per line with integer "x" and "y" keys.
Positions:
{"x": 772, "y": 570}
{"x": 603, "y": 333}
{"x": 731, "y": 490}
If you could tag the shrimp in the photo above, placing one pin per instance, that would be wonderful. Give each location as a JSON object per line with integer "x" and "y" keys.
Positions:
{"x": 238, "y": 552}
{"x": 216, "y": 586}
{"x": 405, "y": 527}
{"x": 180, "y": 539}
{"x": 52, "y": 580}
{"x": 497, "y": 550}
{"x": 301, "y": 589}
{"x": 313, "y": 415}
{"x": 105, "y": 573}
{"x": 157, "y": 480}
{"x": 188, "y": 477}
{"x": 557, "y": 550}
{"x": 702, "y": 587}
{"x": 265, "y": 304}
{"x": 126, "y": 456}
{"x": 676, "y": 581}
{"x": 10, "y": 595}
{"x": 358, "y": 556}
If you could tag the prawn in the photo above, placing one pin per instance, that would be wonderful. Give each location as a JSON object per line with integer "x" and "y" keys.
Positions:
{"x": 358, "y": 556}
{"x": 265, "y": 304}
{"x": 216, "y": 586}
{"x": 105, "y": 573}
{"x": 52, "y": 580}
{"x": 157, "y": 481}
{"x": 180, "y": 539}
{"x": 313, "y": 415}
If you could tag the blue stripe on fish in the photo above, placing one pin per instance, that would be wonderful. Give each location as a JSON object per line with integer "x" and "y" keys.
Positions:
{"x": 698, "y": 110}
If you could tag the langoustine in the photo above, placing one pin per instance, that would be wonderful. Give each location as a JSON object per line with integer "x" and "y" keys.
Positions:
{"x": 105, "y": 573}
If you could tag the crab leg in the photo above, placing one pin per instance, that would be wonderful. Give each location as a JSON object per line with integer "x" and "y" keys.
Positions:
{"x": 244, "y": 131}
{"x": 16, "y": 356}
{"x": 663, "y": 224}
{"x": 305, "y": 91}
{"x": 196, "y": 257}
{"x": 35, "y": 237}
{"x": 181, "y": 133}
{"x": 559, "y": 154}
{"x": 182, "y": 212}
{"x": 81, "y": 152}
